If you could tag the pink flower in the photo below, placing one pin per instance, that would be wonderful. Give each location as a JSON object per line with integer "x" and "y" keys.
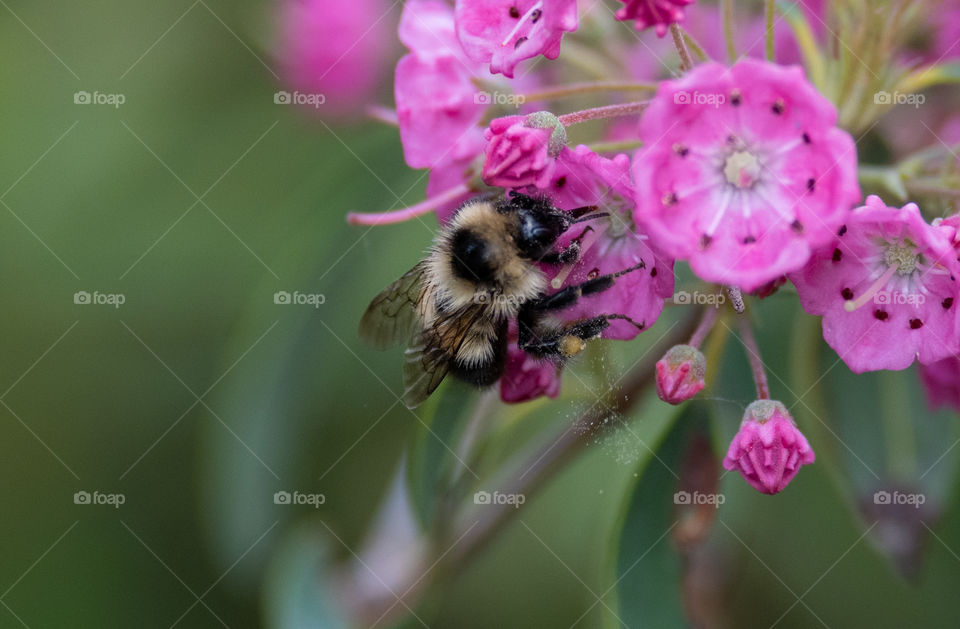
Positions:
{"x": 608, "y": 244}
{"x": 340, "y": 54}
{"x": 885, "y": 288}
{"x": 941, "y": 381}
{"x": 438, "y": 108}
{"x": 946, "y": 39}
{"x": 680, "y": 374}
{"x": 522, "y": 150}
{"x": 768, "y": 450}
{"x": 743, "y": 172}
{"x": 526, "y": 378}
{"x": 505, "y": 32}
{"x": 658, "y": 13}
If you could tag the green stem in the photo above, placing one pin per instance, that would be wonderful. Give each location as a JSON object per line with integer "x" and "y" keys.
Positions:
{"x": 695, "y": 47}
{"x": 895, "y": 416}
{"x": 615, "y": 147}
{"x": 728, "y": 30}
{"x": 932, "y": 186}
{"x": 599, "y": 113}
{"x": 578, "y": 89}
{"x": 769, "y": 13}
{"x": 686, "y": 63}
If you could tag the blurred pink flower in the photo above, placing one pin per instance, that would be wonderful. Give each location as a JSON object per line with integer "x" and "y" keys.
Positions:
{"x": 743, "y": 171}
{"x": 941, "y": 381}
{"x": 505, "y": 32}
{"x": 658, "y": 13}
{"x": 885, "y": 288}
{"x": 525, "y": 377}
{"x": 768, "y": 450}
{"x": 340, "y": 54}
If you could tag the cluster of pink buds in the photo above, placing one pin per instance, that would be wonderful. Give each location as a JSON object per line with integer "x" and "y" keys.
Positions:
{"x": 743, "y": 168}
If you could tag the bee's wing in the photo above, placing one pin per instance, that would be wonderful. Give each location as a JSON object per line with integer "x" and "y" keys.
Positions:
{"x": 392, "y": 314}
{"x": 424, "y": 369}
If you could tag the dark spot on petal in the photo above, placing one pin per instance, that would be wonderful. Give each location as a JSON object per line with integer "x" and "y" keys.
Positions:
{"x": 736, "y": 98}
{"x": 681, "y": 150}
{"x": 843, "y": 230}
{"x": 946, "y": 303}
{"x": 653, "y": 272}
{"x": 797, "y": 226}
{"x": 514, "y": 13}
{"x": 669, "y": 199}
{"x": 536, "y": 15}
{"x": 806, "y": 138}
{"x": 562, "y": 181}
{"x": 916, "y": 324}
{"x": 520, "y": 42}
{"x": 881, "y": 315}
{"x": 731, "y": 139}
{"x": 705, "y": 241}
{"x": 847, "y": 294}
{"x": 749, "y": 240}
{"x": 593, "y": 274}
{"x": 778, "y": 107}
{"x": 811, "y": 184}
{"x": 837, "y": 255}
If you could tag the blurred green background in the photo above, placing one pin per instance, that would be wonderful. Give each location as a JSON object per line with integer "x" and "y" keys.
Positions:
{"x": 199, "y": 397}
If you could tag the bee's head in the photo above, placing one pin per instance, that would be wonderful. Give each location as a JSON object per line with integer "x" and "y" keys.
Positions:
{"x": 540, "y": 224}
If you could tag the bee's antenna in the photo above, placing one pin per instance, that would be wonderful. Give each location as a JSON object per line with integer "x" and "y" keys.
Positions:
{"x": 580, "y": 211}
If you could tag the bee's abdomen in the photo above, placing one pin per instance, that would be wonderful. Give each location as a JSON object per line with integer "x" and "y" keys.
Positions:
{"x": 481, "y": 358}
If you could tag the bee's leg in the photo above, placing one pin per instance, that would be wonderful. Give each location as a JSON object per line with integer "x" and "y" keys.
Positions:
{"x": 571, "y": 294}
{"x": 568, "y": 255}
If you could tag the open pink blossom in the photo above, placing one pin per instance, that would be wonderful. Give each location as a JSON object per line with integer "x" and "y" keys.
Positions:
{"x": 743, "y": 171}
{"x": 768, "y": 450}
{"x": 680, "y": 374}
{"x": 438, "y": 108}
{"x": 505, "y": 32}
{"x": 886, "y": 289}
{"x": 608, "y": 244}
{"x": 941, "y": 381}
{"x": 657, "y": 13}
{"x": 522, "y": 150}
{"x": 524, "y": 377}
{"x": 340, "y": 54}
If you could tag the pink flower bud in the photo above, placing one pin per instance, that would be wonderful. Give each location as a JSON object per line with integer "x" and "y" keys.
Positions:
{"x": 769, "y": 449}
{"x": 680, "y": 374}
{"x": 522, "y": 150}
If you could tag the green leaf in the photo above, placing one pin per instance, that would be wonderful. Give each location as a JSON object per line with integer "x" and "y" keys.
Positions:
{"x": 647, "y": 568}
{"x": 433, "y": 463}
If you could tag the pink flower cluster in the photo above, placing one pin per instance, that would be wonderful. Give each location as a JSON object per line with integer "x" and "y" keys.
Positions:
{"x": 742, "y": 171}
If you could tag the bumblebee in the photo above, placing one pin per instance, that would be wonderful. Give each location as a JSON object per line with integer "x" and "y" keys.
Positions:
{"x": 454, "y": 307}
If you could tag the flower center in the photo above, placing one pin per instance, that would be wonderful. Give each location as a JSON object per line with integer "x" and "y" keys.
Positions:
{"x": 902, "y": 256}
{"x": 742, "y": 169}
